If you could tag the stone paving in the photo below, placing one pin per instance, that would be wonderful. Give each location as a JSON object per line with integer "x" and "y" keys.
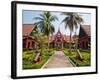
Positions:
{"x": 58, "y": 60}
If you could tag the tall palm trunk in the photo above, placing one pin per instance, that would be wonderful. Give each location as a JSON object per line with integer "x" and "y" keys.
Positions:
{"x": 75, "y": 40}
{"x": 70, "y": 45}
{"x": 48, "y": 41}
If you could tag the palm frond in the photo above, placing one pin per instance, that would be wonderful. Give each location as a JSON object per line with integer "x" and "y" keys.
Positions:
{"x": 65, "y": 20}
{"x": 38, "y": 18}
{"x": 53, "y": 18}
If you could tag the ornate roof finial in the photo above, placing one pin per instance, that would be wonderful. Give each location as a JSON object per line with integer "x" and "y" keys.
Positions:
{"x": 58, "y": 29}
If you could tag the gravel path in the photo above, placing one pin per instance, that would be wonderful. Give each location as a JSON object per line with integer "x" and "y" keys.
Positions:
{"x": 58, "y": 60}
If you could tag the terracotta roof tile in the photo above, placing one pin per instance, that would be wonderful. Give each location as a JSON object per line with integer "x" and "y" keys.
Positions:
{"x": 27, "y": 29}
{"x": 66, "y": 38}
{"x": 87, "y": 29}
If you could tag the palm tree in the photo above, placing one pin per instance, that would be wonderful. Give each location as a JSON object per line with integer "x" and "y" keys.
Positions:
{"x": 45, "y": 23}
{"x": 72, "y": 20}
{"x": 39, "y": 37}
{"x": 78, "y": 22}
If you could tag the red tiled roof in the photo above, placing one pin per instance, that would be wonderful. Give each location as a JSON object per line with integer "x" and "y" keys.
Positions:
{"x": 66, "y": 38}
{"x": 27, "y": 29}
{"x": 51, "y": 38}
{"x": 24, "y": 37}
{"x": 87, "y": 29}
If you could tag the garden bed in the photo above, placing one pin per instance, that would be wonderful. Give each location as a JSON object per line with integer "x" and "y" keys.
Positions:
{"x": 29, "y": 56}
{"x": 73, "y": 56}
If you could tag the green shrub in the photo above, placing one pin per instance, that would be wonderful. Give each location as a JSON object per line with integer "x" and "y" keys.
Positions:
{"x": 85, "y": 54}
{"x": 25, "y": 49}
{"x": 29, "y": 57}
{"x": 88, "y": 51}
{"x": 36, "y": 65}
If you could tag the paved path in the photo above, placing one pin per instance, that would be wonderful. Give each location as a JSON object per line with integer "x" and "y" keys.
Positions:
{"x": 58, "y": 60}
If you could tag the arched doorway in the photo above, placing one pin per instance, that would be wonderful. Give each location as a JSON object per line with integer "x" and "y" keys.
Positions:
{"x": 59, "y": 44}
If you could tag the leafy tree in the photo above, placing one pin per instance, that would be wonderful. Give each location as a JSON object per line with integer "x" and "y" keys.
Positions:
{"x": 45, "y": 23}
{"x": 72, "y": 21}
{"x": 39, "y": 37}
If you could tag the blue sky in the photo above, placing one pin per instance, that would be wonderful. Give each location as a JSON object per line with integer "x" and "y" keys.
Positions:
{"x": 28, "y": 16}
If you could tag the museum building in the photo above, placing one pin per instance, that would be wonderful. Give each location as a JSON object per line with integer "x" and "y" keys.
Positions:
{"x": 58, "y": 40}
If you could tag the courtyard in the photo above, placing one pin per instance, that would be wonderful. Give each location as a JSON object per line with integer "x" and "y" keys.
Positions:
{"x": 55, "y": 59}
{"x": 56, "y": 40}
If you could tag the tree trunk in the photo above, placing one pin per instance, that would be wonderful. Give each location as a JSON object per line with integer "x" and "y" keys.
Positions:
{"x": 70, "y": 42}
{"x": 48, "y": 41}
{"x": 75, "y": 40}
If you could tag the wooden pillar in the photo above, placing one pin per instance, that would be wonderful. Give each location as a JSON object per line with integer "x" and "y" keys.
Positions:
{"x": 26, "y": 43}
{"x": 30, "y": 43}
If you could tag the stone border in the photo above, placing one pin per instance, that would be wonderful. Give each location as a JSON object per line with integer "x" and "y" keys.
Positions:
{"x": 71, "y": 61}
{"x": 47, "y": 61}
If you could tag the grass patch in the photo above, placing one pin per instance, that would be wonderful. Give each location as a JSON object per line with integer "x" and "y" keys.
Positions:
{"x": 73, "y": 56}
{"x": 36, "y": 65}
{"x": 29, "y": 56}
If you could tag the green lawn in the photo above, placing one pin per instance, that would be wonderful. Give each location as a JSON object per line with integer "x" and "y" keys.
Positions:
{"x": 73, "y": 56}
{"x": 29, "y": 56}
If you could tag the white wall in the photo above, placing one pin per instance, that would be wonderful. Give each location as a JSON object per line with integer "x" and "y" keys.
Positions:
{"x": 5, "y": 43}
